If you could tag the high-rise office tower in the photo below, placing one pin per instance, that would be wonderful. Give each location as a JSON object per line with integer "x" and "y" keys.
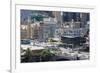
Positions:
{"x": 83, "y": 19}
{"x": 68, "y": 16}
{"x": 58, "y": 16}
{"x": 29, "y": 30}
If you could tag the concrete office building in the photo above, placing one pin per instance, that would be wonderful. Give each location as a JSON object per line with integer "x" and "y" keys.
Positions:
{"x": 47, "y": 29}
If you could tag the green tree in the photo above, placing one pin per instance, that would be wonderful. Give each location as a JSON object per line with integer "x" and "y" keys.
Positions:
{"x": 46, "y": 55}
{"x": 28, "y": 55}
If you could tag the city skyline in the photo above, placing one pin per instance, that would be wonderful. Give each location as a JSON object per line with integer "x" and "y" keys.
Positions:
{"x": 54, "y": 35}
{"x": 66, "y": 16}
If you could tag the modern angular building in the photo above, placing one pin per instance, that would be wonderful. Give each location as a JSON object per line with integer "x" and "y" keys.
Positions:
{"x": 75, "y": 28}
